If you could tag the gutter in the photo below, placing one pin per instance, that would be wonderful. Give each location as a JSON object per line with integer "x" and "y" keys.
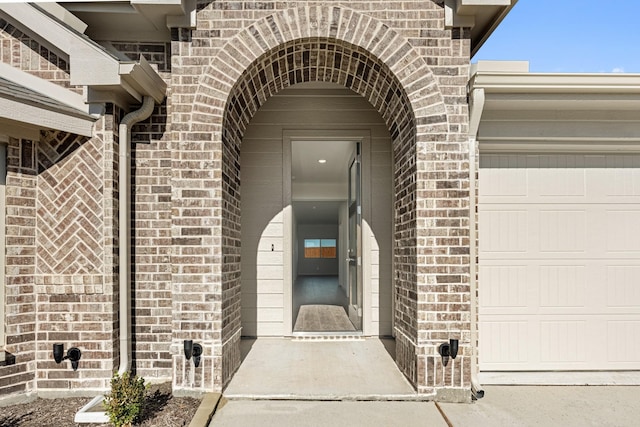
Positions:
{"x": 476, "y": 106}
{"x": 90, "y": 412}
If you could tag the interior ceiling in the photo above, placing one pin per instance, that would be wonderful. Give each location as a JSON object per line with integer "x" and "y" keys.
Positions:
{"x": 305, "y": 167}
{"x": 312, "y": 212}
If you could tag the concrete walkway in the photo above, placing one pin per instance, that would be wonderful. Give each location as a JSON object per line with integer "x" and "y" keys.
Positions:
{"x": 284, "y": 382}
{"x": 502, "y": 406}
{"x": 319, "y": 370}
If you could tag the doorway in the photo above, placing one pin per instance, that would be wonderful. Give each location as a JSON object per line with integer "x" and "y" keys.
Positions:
{"x": 326, "y": 274}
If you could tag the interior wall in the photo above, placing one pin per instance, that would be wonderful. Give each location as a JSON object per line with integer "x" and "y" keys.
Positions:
{"x": 317, "y": 266}
{"x": 315, "y": 107}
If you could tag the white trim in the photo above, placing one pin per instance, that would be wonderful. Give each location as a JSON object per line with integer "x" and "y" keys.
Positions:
{"x": 556, "y": 145}
{"x": 59, "y": 12}
{"x": 528, "y": 83}
{"x": 561, "y": 378}
{"x": 43, "y": 118}
{"x": 51, "y": 90}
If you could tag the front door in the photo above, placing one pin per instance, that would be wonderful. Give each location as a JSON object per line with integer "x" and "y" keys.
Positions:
{"x": 354, "y": 256}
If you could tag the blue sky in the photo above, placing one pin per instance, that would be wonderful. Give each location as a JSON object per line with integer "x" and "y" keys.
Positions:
{"x": 581, "y": 36}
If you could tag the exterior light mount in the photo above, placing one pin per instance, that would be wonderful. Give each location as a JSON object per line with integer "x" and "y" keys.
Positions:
{"x": 448, "y": 350}
{"x": 193, "y": 349}
{"x": 73, "y": 354}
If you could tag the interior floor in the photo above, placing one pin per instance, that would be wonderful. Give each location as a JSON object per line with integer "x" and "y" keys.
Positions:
{"x": 320, "y": 305}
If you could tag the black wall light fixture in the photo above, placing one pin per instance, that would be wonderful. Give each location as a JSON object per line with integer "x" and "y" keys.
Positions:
{"x": 191, "y": 349}
{"x": 447, "y": 350}
{"x": 73, "y": 354}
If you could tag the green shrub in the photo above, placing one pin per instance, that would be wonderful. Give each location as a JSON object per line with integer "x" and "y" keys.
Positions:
{"x": 125, "y": 402}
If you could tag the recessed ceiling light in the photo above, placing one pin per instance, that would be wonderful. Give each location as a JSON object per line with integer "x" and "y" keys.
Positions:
{"x": 322, "y": 161}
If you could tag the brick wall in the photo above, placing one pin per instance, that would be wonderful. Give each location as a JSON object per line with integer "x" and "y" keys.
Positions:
{"x": 186, "y": 219}
{"x": 23, "y": 52}
{"x": 75, "y": 291}
{"x": 20, "y": 243}
{"x": 398, "y": 56}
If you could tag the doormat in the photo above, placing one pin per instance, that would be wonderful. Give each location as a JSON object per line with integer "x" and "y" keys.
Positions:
{"x": 323, "y": 318}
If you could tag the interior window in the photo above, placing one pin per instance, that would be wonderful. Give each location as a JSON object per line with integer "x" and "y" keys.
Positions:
{"x": 319, "y": 248}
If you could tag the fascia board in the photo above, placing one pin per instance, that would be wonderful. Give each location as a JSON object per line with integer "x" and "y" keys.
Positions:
{"x": 89, "y": 64}
{"x": 43, "y": 118}
{"x": 63, "y": 15}
{"x": 44, "y": 29}
{"x": 556, "y": 83}
{"x": 54, "y": 91}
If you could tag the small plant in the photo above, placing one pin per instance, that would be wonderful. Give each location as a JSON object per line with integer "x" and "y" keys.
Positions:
{"x": 125, "y": 402}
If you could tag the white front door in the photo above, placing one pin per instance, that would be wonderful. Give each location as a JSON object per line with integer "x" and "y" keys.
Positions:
{"x": 354, "y": 256}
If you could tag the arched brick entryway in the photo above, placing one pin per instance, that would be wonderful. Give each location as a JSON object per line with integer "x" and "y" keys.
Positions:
{"x": 329, "y": 44}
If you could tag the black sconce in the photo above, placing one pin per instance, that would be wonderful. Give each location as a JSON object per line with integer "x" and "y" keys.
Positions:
{"x": 447, "y": 350}
{"x": 73, "y": 354}
{"x": 191, "y": 349}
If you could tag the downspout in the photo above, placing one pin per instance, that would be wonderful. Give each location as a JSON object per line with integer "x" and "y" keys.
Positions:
{"x": 88, "y": 413}
{"x": 124, "y": 221}
{"x": 476, "y": 106}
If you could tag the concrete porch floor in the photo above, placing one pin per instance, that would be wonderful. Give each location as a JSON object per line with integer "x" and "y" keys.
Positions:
{"x": 282, "y": 368}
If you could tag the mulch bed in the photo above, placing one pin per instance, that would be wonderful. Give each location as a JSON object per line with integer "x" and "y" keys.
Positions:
{"x": 161, "y": 410}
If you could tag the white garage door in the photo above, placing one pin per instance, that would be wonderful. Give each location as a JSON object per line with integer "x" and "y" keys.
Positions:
{"x": 559, "y": 262}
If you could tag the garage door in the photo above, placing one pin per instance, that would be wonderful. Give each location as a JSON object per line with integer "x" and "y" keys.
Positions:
{"x": 559, "y": 281}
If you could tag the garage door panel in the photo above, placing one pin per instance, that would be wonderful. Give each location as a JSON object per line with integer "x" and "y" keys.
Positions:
{"x": 578, "y": 231}
{"x": 563, "y": 286}
{"x": 559, "y": 262}
{"x": 563, "y": 341}
{"x": 603, "y": 178}
{"x": 506, "y": 231}
{"x": 623, "y": 288}
{"x": 562, "y": 230}
{"x": 502, "y": 342}
{"x": 623, "y": 345}
{"x": 557, "y": 342}
{"x": 507, "y": 289}
{"x": 623, "y": 228}
{"x": 542, "y": 287}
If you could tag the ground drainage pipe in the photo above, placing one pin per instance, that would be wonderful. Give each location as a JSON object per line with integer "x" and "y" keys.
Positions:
{"x": 87, "y": 413}
{"x": 124, "y": 222}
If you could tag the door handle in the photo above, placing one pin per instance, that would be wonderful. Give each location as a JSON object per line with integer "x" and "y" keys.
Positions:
{"x": 350, "y": 259}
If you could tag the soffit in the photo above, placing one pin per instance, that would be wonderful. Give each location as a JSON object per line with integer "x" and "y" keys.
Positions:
{"x": 133, "y": 20}
{"x": 481, "y": 16}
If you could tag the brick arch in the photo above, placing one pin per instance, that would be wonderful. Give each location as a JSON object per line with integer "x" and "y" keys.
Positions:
{"x": 390, "y": 52}
{"x": 329, "y": 44}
